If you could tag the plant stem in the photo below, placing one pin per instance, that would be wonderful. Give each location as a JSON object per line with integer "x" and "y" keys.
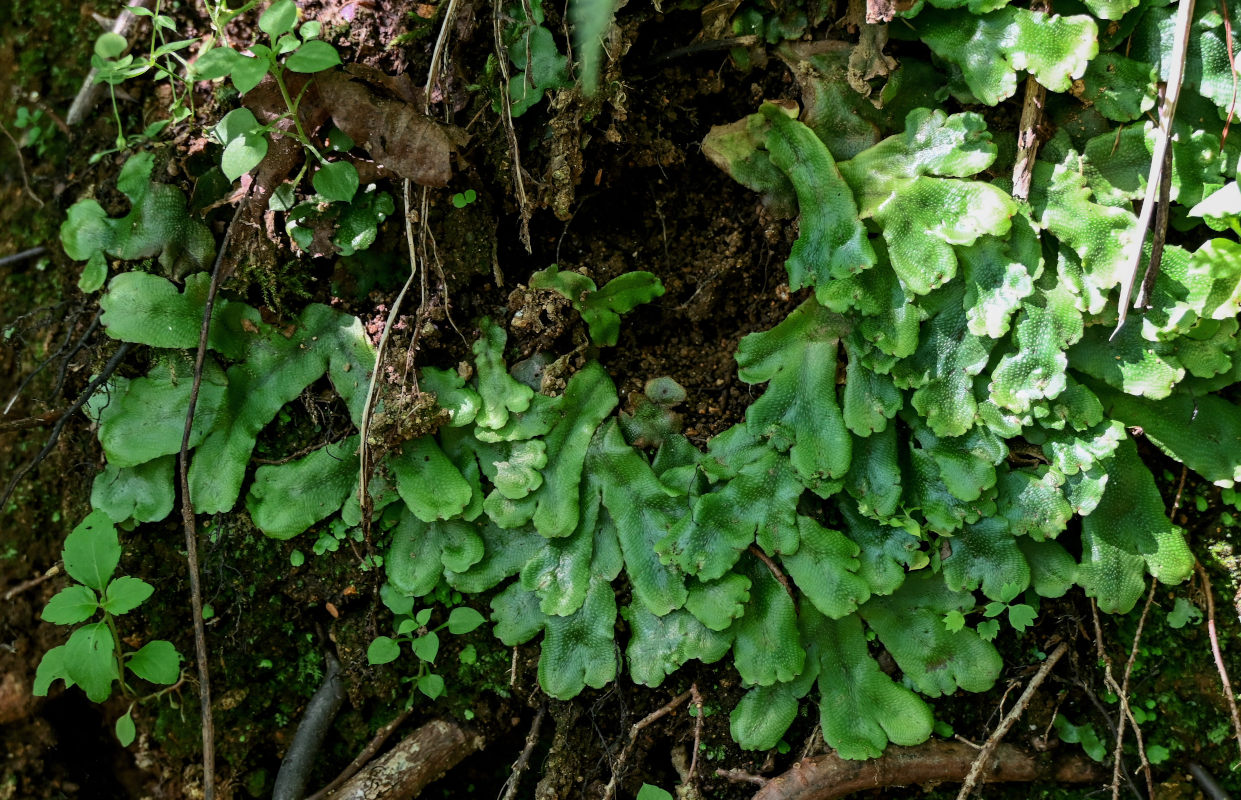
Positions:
{"x": 117, "y": 654}
{"x": 277, "y": 72}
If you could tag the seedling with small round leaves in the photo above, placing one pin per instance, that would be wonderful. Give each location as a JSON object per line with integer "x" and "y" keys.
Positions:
{"x": 301, "y": 51}
{"x": 94, "y": 657}
{"x": 115, "y": 62}
{"x": 411, "y": 628}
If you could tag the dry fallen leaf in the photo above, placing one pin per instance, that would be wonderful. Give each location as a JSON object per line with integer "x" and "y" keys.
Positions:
{"x": 394, "y": 132}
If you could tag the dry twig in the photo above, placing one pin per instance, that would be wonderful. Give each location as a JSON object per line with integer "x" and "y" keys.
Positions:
{"x": 1219, "y": 658}
{"x": 775, "y": 570}
{"x": 42, "y": 421}
{"x": 740, "y": 776}
{"x": 1163, "y": 138}
{"x": 1159, "y": 234}
{"x": 21, "y": 166}
{"x": 1126, "y": 711}
{"x": 364, "y": 498}
{"x": 361, "y": 760}
{"x": 415, "y": 761}
{"x": 523, "y": 761}
{"x": 1118, "y": 751}
{"x": 829, "y": 777}
{"x": 26, "y": 586}
{"x": 519, "y": 183}
{"x": 191, "y": 526}
{"x": 1028, "y": 136}
{"x": 693, "y": 763}
{"x": 610, "y": 791}
{"x": 983, "y": 759}
{"x": 22, "y": 255}
{"x": 64, "y": 365}
{"x": 88, "y": 95}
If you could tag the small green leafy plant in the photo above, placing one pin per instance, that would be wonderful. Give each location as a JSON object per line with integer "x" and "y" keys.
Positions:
{"x": 1084, "y": 734}
{"x": 601, "y": 309}
{"x": 294, "y": 49}
{"x": 94, "y": 657}
{"x": 533, "y": 52}
{"x": 115, "y": 62}
{"x": 37, "y": 131}
{"x": 411, "y": 629}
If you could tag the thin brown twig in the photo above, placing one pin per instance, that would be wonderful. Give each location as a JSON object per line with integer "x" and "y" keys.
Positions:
{"x": 191, "y": 526}
{"x": 364, "y": 427}
{"x": 693, "y": 762}
{"x": 1215, "y": 652}
{"x": 523, "y": 761}
{"x": 1118, "y": 750}
{"x": 993, "y": 741}
{"x": 295, "y": 455}
{"x": 740, "y": 776}
{"x": 506, "y": 106}
{"x": 1232, "y": 67}
{"x": 1180, "y": 487}
{"x": 775, "y": 570}
{"x": 1126, "y": 712}
{"x": 610, "y": 790}
{"x": 1106, "y": 716}
{"x": 21, "y": 166}
{"x": 72, "y": 321}
{"x": 26, "y": 586}
{"x": 367, "y": 753}
{"x": 50, "y": 418}
{"x": 1159, "y": 233}
{"x": 67, "y": 358}
{"x": 1028, "y": 140}
{"x": 1163, "y": 139}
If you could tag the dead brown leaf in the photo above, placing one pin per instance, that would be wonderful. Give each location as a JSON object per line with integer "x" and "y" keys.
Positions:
{"x": 391, "y": 129}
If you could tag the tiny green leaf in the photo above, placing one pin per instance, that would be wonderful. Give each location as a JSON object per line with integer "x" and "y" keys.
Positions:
{"x": 52, "y": 667}
{"x": 426, "y": 647}
{"x": 337, "y": 181}
{"x": 94, "y": 274}
{"x": 92, "y": 551}
{"x": 382, "y": 650}
{"x": 431, "y": 685}
{"x": 125, "y": 594}
{"x": 125, "y": 730}
{"x": 279, "y": 18}
{"x": 216, "y": 63}
{"x": 71, "y": 605}
{"x": 90, "y": 660}
{"x": 110, "y": 45}
{"x": 158, "y": 662}
{"x": 1021, "y": 616}
{"x": 243, "y": 154}
{"x": 313, "y": 56}
{"x": 248, "y": 72}
{"x": 1183, "y": 613}
{"x": 464, "y": 619}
